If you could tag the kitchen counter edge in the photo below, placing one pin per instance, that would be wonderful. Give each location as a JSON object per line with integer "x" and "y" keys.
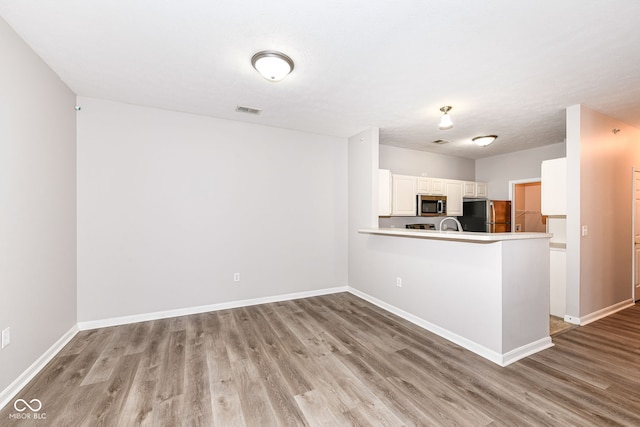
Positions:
{"x": 464, "y": 236}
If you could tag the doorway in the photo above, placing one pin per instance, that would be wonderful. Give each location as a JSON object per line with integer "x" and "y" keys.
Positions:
{"x": 526, "y": 208}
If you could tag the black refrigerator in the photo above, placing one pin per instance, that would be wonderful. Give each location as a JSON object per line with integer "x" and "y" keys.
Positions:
{"x": 490, "y": 216}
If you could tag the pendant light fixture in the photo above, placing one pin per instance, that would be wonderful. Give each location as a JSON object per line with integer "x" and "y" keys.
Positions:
{"x": 273, "y": 66}
{"x": 445, "y": 120}
{"x": 483, "y": 141}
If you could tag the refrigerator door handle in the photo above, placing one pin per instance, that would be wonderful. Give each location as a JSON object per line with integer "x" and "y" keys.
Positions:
{"x": 493, "y": 212}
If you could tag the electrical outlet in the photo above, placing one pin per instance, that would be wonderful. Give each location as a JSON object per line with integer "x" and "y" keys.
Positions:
{"x": 399, "y": 282}
{"x": 585, "y": 230}
{"x": 6, "y": 337}
{"x": 518, "y": 227}
{"x": 236, "y": 277}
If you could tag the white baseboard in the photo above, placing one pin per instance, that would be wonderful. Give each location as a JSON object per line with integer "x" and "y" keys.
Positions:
{"x": 526, "y": 350}
{"x": 125, "y": 320}
{"x": 14, "y": 388}
{"x": 493, "y": 356}
{"x": 597, "y": 315}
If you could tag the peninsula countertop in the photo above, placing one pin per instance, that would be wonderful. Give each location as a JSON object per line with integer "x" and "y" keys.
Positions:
{"x": 463, "y": 236}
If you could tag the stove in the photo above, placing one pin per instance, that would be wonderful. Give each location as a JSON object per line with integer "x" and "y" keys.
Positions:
{"x": 421, "y": 226}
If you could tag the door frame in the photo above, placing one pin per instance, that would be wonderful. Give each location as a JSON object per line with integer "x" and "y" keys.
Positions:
{"x": 633, "y": 233}
{"x": 512, "y": 186}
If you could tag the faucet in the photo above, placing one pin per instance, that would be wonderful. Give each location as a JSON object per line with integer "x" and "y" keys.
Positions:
{"x": 452, "y": 219}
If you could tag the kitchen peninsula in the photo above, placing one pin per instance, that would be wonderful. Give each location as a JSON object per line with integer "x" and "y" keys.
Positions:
{"x": 487, "y": 292}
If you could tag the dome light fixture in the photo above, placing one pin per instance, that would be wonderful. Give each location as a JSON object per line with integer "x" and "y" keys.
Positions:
{"x": 273, "y": 66}
{"x": 445, "y": 120}
{"x": 485, "y": 140}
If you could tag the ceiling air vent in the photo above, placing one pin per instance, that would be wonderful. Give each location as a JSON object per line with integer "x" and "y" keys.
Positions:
{"x": 440, "y": 141}
{"x": 248, "y": 110}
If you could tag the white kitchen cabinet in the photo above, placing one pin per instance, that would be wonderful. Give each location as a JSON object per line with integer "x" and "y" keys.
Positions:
{"x": 554, "y": 187}
{"x": 424, "y": 185}
{"x": 469, "y": 189}
{"x": 384, "y": 192}
{"x": 454, "y": 192}
{"x": 558, "y": 282}
{"x": 438, "y": 187}
{"x": 431, "y": 186}
{"x": 475, "y": 189}
{"x": 482, "y": 189}
{"x": 403, "y": 195}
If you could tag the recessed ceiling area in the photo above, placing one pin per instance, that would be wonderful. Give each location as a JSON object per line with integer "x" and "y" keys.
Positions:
{"x": 507, "y": 68}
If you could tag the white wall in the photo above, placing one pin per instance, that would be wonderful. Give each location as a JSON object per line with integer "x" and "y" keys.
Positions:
{"x": 171, "y": 205}
{"x": 599, "y": 169}
{"x": 37, "y": 207}
{"x": 420, "y": 163}
{"x": 499, "y": 170}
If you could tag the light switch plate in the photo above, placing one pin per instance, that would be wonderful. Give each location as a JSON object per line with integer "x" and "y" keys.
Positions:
{"x": 6, "y": 337}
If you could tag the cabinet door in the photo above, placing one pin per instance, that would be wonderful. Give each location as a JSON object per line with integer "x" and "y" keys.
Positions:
{"x": 558, "y": 283}
{"x": 438, "y": 187}
{"x": 482, "y": 189}
{"x": 454, "y": 191}
{"x": 384, "y": 192}
{"x": 469, "y": 189}
{"x": 404, "y": 202}
{"x": 424, "y": 185}
{"x": 554, "y": 187}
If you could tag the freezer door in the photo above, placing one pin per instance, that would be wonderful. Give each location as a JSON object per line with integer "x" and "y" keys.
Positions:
{"x": 501, "y": 211}
{"x": 499, "y": 216}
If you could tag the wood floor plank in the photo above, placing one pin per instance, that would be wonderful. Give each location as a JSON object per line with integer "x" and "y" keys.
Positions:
{"x": 331, "y": 360}
{"x": 197, "y": 394}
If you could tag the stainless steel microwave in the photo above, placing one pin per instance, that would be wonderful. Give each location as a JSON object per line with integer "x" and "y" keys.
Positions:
{"x": 432, "y": 205}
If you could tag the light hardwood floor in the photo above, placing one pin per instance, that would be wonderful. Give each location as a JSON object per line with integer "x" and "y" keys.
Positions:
{"x": 332, "y": 360}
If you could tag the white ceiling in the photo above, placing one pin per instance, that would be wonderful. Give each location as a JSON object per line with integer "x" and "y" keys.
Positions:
{"x": 508, "y": 68}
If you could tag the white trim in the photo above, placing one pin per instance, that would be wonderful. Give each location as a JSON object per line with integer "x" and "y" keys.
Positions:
{"x": 14, "y": 388}
{"x": 512, "y": 184}
{"x": 597, "y": 315}
{"x": 125, "y": 320}
{"x": 634, "y": 297}
{"x": 495, "y": 357}
{"x": 526, "y": 350}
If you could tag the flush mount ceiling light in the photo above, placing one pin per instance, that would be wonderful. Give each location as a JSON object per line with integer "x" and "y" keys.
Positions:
{"x": 483, "y": 141}
{"x": 445, "y": 120}
{"x": 273, "y": 66}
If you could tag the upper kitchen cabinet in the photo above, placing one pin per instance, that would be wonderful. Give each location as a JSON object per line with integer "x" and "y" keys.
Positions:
{"x": 431, "y": 186}
{"x": 424, "y": 185}
{"x": 403, "y": 195}
{"x": 384, "y": 192}
{"x": 554, "y": 187}
{"x": 454, "y": 191}
{"x": 475, "y": 189}
{"x": 469, "y": 189}
{"x": 438, "y": 187}
{"x": 482, "y": 189}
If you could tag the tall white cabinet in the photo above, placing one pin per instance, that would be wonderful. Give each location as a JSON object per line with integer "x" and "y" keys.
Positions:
{"x": 454, "y": 191}
{"x": 554, "y": 204}
{"x": 403, "y": 195}
{"x": 554, "y": 187}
